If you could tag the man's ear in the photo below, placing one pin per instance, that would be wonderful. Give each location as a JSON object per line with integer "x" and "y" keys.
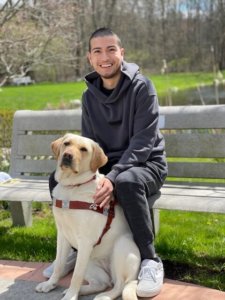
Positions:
{"x": 56, "y": 147}
{"x": 99, "y": 158}
{"x": 122, "y": 52}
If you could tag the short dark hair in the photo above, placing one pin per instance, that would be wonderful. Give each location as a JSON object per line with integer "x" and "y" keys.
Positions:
{"x": 103, "y": 31}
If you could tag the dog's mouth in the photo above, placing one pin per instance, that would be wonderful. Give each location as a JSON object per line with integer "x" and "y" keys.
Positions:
{"x": 67, "y": 162}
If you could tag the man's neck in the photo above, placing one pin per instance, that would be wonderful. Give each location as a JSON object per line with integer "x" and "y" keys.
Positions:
{"x": 111, "y": 83}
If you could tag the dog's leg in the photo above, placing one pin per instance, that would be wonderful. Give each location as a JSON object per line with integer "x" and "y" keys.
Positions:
{"x": 97, "y": 278}
{"x": 83, "y": 255}
{"x": 63, "y": 248}
{"x": 125, "y": 264}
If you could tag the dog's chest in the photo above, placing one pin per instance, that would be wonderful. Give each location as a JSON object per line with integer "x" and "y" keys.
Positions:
{"x": 78, "y": 223}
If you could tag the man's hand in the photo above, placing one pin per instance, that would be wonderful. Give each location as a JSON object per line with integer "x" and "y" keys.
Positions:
{"x": 104, "y": 193}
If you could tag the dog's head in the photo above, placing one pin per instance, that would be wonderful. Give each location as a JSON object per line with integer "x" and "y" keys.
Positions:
{"x": 76, "y": 155}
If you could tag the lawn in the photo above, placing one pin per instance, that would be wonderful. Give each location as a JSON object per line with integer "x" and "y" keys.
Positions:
{"x": 182, "y": 81}
{"x": 192, "y": 246}
{"x": 39, "y": 96}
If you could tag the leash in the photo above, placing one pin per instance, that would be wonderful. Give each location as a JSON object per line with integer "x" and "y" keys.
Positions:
{"x": 109, "y": 212}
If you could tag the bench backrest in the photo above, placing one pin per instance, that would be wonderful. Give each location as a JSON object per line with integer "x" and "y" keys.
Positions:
{"x": 195, "y": 140}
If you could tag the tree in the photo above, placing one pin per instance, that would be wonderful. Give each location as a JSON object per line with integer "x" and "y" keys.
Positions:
{"x": 49, "y": 39}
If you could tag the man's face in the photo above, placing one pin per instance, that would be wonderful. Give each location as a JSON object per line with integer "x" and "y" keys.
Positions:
{"x": 106, "y": 56}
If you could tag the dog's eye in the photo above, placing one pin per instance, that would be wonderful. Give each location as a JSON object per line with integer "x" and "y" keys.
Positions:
{"x": 66, "y": 143}
{"x": 83, "y": 149}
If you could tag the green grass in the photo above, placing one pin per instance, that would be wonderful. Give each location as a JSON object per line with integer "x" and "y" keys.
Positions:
{"x": 36, "y": 243}
{"x": 37, "y": 96}
{"x": 182, "y": 81}
{"x": 192, "y": 245}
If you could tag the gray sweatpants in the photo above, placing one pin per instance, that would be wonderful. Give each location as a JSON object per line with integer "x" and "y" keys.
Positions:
{"x": 133, "y": 189}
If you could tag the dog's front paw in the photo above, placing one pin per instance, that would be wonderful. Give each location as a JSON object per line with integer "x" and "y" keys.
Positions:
{"x": 45, "y": 287}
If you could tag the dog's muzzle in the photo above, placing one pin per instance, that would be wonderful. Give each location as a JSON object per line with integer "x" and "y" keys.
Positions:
{"x": 67, "y": 160}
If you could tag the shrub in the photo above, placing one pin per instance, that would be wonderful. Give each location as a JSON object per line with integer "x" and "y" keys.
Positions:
{"x": 4, "y": 159}
{"x": 6, "y": 121}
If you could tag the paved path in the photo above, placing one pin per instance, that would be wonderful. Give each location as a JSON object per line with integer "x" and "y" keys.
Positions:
{"x": 18, "y": 281}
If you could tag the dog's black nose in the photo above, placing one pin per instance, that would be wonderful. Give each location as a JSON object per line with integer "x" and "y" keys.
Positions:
{"x": 67, "y": 159}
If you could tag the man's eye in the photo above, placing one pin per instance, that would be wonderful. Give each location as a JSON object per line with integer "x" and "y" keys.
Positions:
{"x": 83, "y": 149}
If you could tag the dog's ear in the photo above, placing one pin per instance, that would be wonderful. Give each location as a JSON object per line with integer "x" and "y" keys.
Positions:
{"x": 99, "y": 158}
{"x": 56, "y": 147}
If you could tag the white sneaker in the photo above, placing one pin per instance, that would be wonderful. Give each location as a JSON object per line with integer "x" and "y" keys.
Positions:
{"x": 70, "y": 263}
{"x": 150, "y": 278}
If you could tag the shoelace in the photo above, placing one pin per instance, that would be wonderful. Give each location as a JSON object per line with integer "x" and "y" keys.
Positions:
{"x": 148, "y": 273}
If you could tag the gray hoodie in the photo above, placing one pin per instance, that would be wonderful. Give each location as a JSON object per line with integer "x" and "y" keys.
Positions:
{"x": 125, "y": 123}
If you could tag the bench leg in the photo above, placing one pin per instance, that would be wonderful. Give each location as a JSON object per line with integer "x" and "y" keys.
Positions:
{"x": 21, "y": 213}
{"x": 155, "y": 220}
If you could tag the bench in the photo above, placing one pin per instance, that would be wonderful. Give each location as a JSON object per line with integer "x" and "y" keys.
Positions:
{"x": 195, "y": 146}
{"x": 22, "y": 80}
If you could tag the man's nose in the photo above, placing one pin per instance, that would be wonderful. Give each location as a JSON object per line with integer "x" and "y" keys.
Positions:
{"x": 104, "y": 55}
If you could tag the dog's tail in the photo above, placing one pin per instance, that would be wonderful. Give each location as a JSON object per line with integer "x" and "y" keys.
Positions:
{"x": 129, "y": 291}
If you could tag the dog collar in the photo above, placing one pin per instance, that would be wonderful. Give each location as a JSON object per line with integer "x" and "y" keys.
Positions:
{"x": 79, "y": 184}
{"x": 109, "y": 212}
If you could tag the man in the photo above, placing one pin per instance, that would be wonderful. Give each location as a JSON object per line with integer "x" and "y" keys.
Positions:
{"x": 120, "y": 112}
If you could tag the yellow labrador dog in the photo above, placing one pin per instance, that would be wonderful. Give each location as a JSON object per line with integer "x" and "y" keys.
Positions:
{"x": 108, "y": 260}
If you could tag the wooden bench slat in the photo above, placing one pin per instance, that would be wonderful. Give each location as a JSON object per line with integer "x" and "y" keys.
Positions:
{"x": 190, "y": 203}
{"x": 195, "y": 145}
{"x": 196, "y": 116}
{"x": 56, "y": 120}
{"x": 194, "y": 189}
{"x": 36, "y": 144}
{"x": 196, "y": 170}
{"x": 34, "y": 166}
{"x": 205, "y": 198}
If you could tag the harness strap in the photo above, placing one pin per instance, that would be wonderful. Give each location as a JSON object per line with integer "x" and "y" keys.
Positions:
{"x": 109, "y": 212}
{"x": 79, "y": 205}
{"x": 111, "y": 215}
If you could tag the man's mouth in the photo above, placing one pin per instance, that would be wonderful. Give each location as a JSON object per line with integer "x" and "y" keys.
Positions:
{"x": 106, "y": 65}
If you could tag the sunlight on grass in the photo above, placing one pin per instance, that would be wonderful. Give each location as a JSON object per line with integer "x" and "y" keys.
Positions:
{"x": 36, "y": 243}
{"x": 193, "y": 246}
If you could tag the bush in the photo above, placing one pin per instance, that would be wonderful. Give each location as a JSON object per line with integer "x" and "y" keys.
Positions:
{"x": 6, "y": 121}
{"x": 4, "y": 159}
